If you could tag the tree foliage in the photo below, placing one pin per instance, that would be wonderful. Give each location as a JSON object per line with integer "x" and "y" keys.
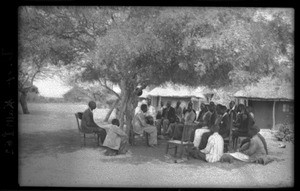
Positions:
{"x": 135, "y": 47}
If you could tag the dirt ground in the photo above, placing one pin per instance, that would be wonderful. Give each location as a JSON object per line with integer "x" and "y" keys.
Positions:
{"x": 51, "y": 153}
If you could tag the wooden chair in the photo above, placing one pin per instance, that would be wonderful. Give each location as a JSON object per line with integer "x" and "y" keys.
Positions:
{"x": 78, "y": 117}
{"x": 184, "y": 142}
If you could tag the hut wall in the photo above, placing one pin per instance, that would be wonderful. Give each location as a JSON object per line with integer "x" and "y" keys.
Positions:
{"x": 284, "y": 112}
{"x": 262, "y": 111}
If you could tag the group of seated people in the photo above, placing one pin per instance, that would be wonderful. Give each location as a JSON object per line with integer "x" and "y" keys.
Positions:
{"x": 211, "y": 127}
{"x": 207, "y": 130}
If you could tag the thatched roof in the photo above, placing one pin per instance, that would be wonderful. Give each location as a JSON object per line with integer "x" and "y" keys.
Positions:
{"x": 175, "y": 91}
{"x": 267, "y": 90}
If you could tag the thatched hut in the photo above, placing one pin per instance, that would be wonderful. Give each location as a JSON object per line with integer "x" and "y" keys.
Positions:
{"x": 272, "y": 104}
{"x": 174, "y": 93}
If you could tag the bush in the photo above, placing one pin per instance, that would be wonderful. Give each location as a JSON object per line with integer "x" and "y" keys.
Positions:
{"x": 285, "y": 132}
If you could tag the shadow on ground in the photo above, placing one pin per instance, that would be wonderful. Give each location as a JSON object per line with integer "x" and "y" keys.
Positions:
{"x": 68, "y": 141}
{"x": 54, "y": 142}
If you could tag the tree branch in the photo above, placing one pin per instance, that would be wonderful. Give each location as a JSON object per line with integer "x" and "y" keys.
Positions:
{"x": 109, "y": 89}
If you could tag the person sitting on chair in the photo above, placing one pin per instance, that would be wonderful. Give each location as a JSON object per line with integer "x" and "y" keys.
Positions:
{"x": 189, "y": 119}
{"x": 224, "y": 124}
{"x": 214, "y": 148}
{"x": 243, "y": 123}
{"x": 140, "y": 125}
{"x": 116, "y": 139}
{"x": 88, "y": 123}
{"x": 200, "y": 118}
{"x": 168, "y": 117}
{"x": 205, "y": 126}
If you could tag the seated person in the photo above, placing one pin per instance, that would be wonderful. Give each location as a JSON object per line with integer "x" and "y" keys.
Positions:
{"x": 205, "y": 126}
{"x": 256, "y": 146}
{"x": 140, "y": 125}
{"x": 243, "y": 123}
{"x": 189, "y": 119}
{"x": 88, "y": 123}
{"x": 178, "y": 111}
{"x": 216, "y": 120}
{"x": 168, "y": 117}
{"x": 213, "y": 150}
{"x": 224, "y": 124}
{"x": 151, "y": 110}
{"x": 159, "y": 118}
{"x": 253, "y": 150}
{"x": 116, "y": 139}
{"x": 200, "y": 119}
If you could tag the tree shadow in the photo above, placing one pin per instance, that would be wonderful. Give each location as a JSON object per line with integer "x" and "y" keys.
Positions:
{"x": 68, "y": 141}
{"x": 54, "y": 142}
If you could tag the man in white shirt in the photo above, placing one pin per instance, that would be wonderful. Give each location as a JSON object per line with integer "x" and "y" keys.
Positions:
{"x": 151, "y": 110}
{"x": 213, "y": 150}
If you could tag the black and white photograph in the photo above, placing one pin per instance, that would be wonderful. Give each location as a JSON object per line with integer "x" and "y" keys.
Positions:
{"x": 155, "y": 96}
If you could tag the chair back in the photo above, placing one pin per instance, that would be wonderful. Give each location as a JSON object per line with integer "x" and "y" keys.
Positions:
{"x": 78, "y": 117}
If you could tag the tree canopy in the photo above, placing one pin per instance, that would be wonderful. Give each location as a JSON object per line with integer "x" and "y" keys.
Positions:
{"x": 136, "y": 47}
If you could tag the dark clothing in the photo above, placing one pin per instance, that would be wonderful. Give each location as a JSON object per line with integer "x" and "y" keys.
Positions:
{"x": 212, "y": 119}
{"x": 224, "y": 126}
{"x": 88, "y": 120}
{"x": 243, "y": 124}
{"x": 169, "y": 113}
{"x": 234, "y": 114}
{"x": 88, "y": 124}
{"x": 158, "y": 115}
{"x": 200, "y": 116}
{"x": 204, "y": 139}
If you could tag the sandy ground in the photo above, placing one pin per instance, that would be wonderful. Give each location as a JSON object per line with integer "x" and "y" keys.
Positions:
{"x": 51, "y": 153}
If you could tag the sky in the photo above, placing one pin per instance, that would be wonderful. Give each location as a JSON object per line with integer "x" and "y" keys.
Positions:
{"x": 54, "y": 87}
{"x": 51, "y": 87}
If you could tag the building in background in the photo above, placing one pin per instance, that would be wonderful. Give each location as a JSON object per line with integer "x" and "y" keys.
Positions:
{"x": 271, "y": 106}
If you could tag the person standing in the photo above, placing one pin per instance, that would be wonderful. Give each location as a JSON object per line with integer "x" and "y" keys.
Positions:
{"x": 232, "y": 111}
{"x": 88, "y": 123}
{"x": 140, "y": 125}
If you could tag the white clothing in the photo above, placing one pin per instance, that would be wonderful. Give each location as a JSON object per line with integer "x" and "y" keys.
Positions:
{"x": 198, "y": 135}
{"x": 151, "y": 111}
{"x": 113, "y": 137}
{"x": 214, "y": 148}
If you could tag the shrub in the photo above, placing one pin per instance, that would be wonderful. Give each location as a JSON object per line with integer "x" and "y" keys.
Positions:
{"x": 285, "y": 132}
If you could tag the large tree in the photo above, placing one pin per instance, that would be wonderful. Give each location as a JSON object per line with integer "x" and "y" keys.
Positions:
{"x": 134, "y": 47}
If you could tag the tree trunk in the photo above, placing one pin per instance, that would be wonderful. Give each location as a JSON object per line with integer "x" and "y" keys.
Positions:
{"x": 124, "y": 99}
{"x": 131, "y": 105}
{"x": 111, "y": 110}
{"x": 23, "y": 102}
